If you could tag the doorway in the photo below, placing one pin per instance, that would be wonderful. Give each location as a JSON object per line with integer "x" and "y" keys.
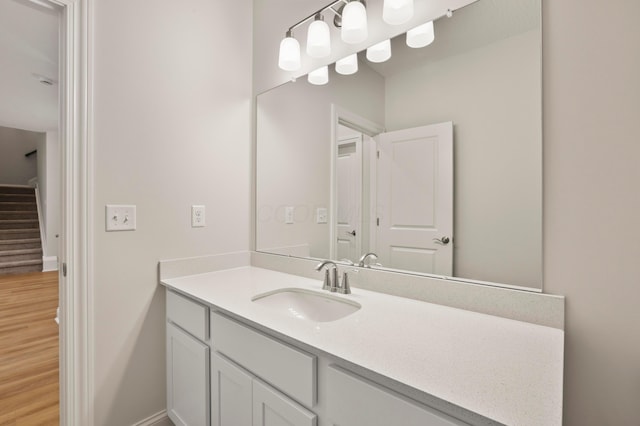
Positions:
{"x": 75, "y": 239}
{"x": 392, "y": 194}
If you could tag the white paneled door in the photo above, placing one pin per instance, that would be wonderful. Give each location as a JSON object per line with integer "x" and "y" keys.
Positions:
{"x": 415, "y": 199}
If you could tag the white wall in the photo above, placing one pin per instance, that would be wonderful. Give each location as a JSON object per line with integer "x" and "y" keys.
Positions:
{"x": 15, "y": 168}
{"x": 591, "y": 99}
{"x": 492, "y": 95}
{"x": 294, "y": 154}
{"x": 171, "y": 128}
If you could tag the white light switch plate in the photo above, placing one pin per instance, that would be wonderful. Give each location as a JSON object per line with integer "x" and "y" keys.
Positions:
{"x": 197, "y": 216}
{"x": 119, "y": 217}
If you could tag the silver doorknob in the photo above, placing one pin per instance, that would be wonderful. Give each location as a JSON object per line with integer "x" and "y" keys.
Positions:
{"x": 353, "y": 233}
{"x": 444, "y": 240}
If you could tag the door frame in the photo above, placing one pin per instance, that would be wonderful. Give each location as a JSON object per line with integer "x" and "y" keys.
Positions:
{"x": 357, "y": 143}
{"x": 347, "y": 118}
{"x": 76, "y": 260}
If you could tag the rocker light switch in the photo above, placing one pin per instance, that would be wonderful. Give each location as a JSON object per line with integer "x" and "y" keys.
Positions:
{"x": 120, "y": 217}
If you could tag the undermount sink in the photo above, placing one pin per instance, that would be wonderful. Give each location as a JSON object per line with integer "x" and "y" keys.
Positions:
{"x": 307, "y": 304}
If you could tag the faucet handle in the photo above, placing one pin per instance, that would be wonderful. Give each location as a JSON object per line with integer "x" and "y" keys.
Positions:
{"x": 344, "y": 288}
{"x": 326, "y": 284}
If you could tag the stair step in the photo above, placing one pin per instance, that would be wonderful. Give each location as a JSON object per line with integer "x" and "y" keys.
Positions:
{"x": 19, "y": 255}
{"x": 20, "y": 267}
{"x": 24, "y": 244}
{"x": 16, "y": 234}
{"x": 19, "y": 224}
{"x": 22, "y": 198}
{"x": 15, "y": 205}
{"x": 16, "y": 189}
{"x": 18, "y": 214}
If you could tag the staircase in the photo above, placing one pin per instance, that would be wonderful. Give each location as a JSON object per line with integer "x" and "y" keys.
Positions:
{"x": 20, "y": 245}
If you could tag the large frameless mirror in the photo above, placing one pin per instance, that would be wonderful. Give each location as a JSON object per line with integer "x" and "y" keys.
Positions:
{"x": 432, "y": 160}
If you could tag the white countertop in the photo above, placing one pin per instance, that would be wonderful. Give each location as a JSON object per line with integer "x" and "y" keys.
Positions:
{"x": 509, "y": 371}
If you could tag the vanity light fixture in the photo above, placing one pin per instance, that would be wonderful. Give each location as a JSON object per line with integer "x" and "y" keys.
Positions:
{"x": 379, "y": 52}
{"x": 319, "y": 76}
{"x": 396, "y": 12}
{"x": 347, "y": 65}
{"x": 354, "y": 23}
{"x": 289, "y": 57}
{"x": 421, "y": 36}
{"x": 318, "y": 38}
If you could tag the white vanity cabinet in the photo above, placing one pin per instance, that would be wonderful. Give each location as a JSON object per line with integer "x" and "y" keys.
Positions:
{"x": 246, "y": 368}
{"x": 355, "y": 401}
{"x": 188, "y": 376}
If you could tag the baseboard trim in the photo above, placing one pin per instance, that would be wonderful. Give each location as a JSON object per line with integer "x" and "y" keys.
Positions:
{"x": 49, "y": 263}
{"x": 157, "y": 419}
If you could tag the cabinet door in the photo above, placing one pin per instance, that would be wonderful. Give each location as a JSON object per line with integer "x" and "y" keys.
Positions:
{"x": 230, "y": 393}
{"x": 271, "y": 408}
{"x": 354, "y": 401}
{"x": 187, "y": 379}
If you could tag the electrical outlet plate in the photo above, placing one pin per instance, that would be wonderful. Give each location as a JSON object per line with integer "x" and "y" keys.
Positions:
{"x": 197, "y": 216}
{"x": 120, "y": 217}
{"x": 288, "y": 215}
{"x": 321, "y": 215}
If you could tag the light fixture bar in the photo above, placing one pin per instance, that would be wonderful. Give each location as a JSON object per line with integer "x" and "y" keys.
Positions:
{"x": 327, "y": 7}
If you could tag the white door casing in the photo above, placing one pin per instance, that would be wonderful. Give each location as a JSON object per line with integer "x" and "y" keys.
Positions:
{"x": 415, "y": 199}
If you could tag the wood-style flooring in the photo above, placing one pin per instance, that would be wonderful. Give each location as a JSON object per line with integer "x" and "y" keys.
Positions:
{"x": 29, "y": 379}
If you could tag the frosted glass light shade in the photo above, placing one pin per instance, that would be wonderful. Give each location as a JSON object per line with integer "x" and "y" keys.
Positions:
{"x": 396, "y": 12}
{"x": 379, "y": 52}
{"x": 421, "y": 36}
{"x": 318, "y": 39}
{"x": 347, "y": 65}
{"x": 354, "y": 23}
{"x": 289, "y": 57}
{"x": 319, "y": 76}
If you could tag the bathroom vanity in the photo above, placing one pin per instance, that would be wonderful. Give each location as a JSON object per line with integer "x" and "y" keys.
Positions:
{"x": 382, "y": 360}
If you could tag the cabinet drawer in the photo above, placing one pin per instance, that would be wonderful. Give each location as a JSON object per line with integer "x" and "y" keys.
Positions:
{"x": 188, "y": 314}
{"x": 355, "y": 401}
{"x": 288, "y": 369}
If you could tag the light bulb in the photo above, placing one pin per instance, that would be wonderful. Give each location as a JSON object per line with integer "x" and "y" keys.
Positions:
{"x": 354, "y": 23}
{"x": 396, "y": 12}
{"x": 318, "y": 39}
{"x": 379, "y": 52}
{"x": 421, "y": 36}
{"x": 289, "y": 57}
{"x": 347, "y": 65}
{"x": 319, "y": 76}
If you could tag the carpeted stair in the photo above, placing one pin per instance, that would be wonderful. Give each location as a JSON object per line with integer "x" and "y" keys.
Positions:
{"x": 20, "y": 245}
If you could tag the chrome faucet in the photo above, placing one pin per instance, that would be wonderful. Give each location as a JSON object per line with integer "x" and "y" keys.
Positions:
{"x": 330, "y": 275}
{"x": 363, "y": 259}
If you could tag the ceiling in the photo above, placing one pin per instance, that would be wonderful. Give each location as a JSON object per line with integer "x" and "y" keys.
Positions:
{"x": 28, "y": 53}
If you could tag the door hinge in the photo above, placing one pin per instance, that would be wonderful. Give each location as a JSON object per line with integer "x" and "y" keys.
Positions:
{"x": 378, "y": 154}
{"x": 64, "y": 269}
{"x": 377, "y": 221}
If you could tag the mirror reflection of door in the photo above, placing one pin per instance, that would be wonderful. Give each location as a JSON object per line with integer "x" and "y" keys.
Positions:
{"x": 349, "y": 194}
{"x": 415, "y": 199}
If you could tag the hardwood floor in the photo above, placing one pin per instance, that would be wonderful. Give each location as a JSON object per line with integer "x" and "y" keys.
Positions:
{"x": 29, "y": 349}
